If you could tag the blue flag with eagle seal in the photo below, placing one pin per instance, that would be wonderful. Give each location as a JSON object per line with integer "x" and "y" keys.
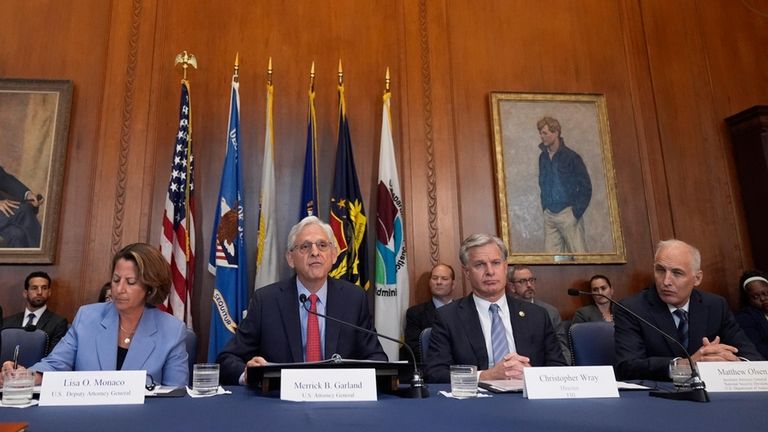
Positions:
{"x": 228, "y": 260}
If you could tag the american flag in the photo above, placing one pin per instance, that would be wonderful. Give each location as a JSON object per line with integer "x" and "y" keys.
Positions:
{"x": 177, "y": 242}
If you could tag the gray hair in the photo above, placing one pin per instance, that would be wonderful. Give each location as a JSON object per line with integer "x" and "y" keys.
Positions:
{"x": 310, "y": 220}
{"x": 695, "y": 254}
{"x": 511, "y": 270}
{"x": 476, "y": 240}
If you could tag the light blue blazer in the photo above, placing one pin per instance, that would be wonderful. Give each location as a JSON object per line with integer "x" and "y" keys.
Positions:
{"x": 91, "y": 344}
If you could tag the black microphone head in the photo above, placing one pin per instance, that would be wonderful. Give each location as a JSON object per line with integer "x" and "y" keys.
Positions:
{"x": 574, "y": 292}
{"x": 303, "y": 298}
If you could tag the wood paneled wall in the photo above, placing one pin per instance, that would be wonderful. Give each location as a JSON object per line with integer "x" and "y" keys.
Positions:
{"x": 671, "y": 72}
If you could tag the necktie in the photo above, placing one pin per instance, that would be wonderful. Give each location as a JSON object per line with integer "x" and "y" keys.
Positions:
{"x": 498, "y": 335}
{"x": 313, "y": 332}
{"x": 682, "y": 327}
{"x": 30, "y": 319}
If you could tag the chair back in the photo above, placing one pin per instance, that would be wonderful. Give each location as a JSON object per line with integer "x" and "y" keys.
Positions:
{"x": 191, "y": 344}
{"x": 592, "y": 344}
{"x": 32, "y": 345}
{"x": 424, "y": 343}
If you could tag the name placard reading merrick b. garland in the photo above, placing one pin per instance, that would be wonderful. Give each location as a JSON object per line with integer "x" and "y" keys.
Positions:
{"x": 93, "y": 388}
{"x": 328, "y": 385}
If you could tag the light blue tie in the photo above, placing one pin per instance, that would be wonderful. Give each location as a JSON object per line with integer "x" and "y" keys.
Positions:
{"x": 498, "y": 335}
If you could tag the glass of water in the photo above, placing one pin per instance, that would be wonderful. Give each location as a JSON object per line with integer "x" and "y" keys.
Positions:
{"x": 680, "y": 373}
{"x": 464, "y": 381}
{"x": 17, "y": 386}
{"x": 205, "y": 378}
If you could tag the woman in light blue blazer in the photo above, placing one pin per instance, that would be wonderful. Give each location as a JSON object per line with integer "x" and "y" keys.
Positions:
{"x": 129, "y": 333}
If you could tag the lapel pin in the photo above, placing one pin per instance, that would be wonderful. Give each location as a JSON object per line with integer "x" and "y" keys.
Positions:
{"x": 522, "y": 314}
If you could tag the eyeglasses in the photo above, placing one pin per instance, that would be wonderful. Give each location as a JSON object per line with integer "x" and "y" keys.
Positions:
{"x": 525, "y": 281}
{"x": 758, "y": 296}
{"x": 306, "y": 247}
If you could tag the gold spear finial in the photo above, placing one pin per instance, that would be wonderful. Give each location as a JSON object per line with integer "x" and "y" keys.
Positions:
{"x": 312, "y": 77}
{"x": 386, "y": 81}
{"x": 269, "y": 72}
{"x": 186, "y": 61}
{"x": 341, "y": 74}
{"x": 237, "y": 65}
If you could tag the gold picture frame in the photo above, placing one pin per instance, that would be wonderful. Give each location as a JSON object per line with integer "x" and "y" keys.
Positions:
{"x": 567, "y": 231}
{"x": 34, "y": 118}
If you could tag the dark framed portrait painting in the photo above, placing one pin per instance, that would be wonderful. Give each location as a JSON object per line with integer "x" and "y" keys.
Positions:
{"x": 555, "y": 181}
{"x": 34, "y": 120}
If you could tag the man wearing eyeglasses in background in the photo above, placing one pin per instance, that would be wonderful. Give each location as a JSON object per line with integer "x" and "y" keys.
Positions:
{"x": 521, "y": 283}
{"x": 278, "y": 328}
{"x": 37, "y": 291}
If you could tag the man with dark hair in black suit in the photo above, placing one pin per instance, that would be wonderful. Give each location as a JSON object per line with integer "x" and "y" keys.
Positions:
{"x": 279, "y": 329}
{"x": 37, "y": 291}
{"x": 701, "y": 321}
{"x": 490, "y": 329}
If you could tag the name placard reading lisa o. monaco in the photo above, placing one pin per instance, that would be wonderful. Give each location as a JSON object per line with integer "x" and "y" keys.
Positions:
{"x": 93, "y": 388}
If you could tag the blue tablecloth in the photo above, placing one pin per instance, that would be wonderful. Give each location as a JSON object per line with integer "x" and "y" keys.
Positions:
{"x": 246, "y": 410}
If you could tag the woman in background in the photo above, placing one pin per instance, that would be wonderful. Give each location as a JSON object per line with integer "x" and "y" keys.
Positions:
{"x": 602, "y": 310}
{"x": 753, "y": 316}
{"x": 128, "y": 333}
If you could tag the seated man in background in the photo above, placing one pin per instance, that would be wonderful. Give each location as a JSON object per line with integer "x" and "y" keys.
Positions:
{"x": 37, "y": 291}
{"x": 701, "y": 321}
{"x": 753, "y": 316}
{"x": 489, "y": 328}
{"x": 521, "y": 282}
{"x": 442, "y": 279}
{"x": 602, "y": 310}
{"x": 279, "y": 329}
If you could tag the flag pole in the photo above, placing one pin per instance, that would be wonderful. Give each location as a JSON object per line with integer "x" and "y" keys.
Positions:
{"x": 186, "y": 61}
{"x": 269, "y": 72}
{"x": 386, "y": 81}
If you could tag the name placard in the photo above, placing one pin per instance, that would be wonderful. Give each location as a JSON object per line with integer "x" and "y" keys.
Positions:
{"x": 734, "y": 376}
{"x": 92, "y": 388}
{"x": 328, "y": 385}
{"x": 574, "y": 382}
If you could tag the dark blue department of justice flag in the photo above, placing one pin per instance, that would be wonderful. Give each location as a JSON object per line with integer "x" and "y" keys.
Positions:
{"x": 228, "y": 260}
{"x": 308, "y": 206}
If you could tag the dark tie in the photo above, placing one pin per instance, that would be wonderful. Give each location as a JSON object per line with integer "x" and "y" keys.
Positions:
{"x": 498, "y": 335}
{"x": 30, "y": 320}
{"x": 313, "y": 332}
{"x": 682, "y": 327}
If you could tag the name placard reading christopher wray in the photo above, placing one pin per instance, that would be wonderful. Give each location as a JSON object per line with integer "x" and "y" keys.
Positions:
{"x": 328, "y": 385}
{"x": 93, "y": 388}
{"x": 734, "y": 376}
{"x": 570, "y": 382}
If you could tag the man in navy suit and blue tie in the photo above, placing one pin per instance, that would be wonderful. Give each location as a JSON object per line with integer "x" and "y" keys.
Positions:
{"x": 701, "y": 321}
{"x": 490, "y": 329}
{"x": 278, "y": 328}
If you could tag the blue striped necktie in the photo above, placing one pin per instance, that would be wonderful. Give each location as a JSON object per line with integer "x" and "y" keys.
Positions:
{"x": 682, "y": 326}
{"x": 498, "y": 335}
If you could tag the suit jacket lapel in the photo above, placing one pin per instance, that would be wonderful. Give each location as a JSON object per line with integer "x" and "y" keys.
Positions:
{"x": 289, "y": 313}
{"x": 468, "y": 315}
{"x": 697, "y": 327}
{"x": 520, "y": 328}
{"x": 332, "y": 308}
{"x": 106, "y": 349}
{"x": 43, "y": 321}
{"x": 143, "y": 342}
{"x": 662, "y": 318}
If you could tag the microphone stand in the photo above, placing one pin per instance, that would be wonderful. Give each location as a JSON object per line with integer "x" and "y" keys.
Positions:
{"x": 418, "y": 389}
{"x": 698, "y": 391}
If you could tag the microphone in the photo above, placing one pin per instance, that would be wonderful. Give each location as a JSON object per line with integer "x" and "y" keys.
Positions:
{"x": 698, "y": 392}
{"x": 418, "y": 388}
